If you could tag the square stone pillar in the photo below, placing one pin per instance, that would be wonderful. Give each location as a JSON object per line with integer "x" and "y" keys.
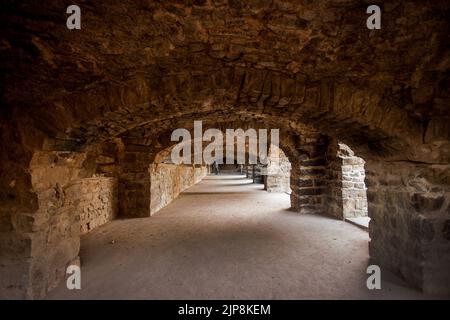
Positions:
{"x": 346, "y": 188}
{"x": 39, "y": 236}
{"x": 134, "y": 181}
{"x": 308, "y": 176}
{"x": 409, "y": 207}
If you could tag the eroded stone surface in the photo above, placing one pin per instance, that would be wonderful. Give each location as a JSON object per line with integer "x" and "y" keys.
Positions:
{"x": 168, "y": 181}
{"x": 98, "y": 204}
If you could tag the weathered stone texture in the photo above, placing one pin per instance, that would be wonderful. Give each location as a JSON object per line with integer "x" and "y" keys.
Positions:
{"x": 169, "y": 180}
{"x": 354, "y": 196}
{"x": 346, "y": 187}
{"x": 255, "y": 172}
{"x": 409, "y": 211}
{"x": 138, "y": 70}
{"x": 278, "y": 172}
{"x": 54, "y": 229}
{"x": 229, "y": 168}
{"x": 49, "y": 236}
{"x": 308, "y": 180}
{"x": 134, "y": 181}
{"x": 98, "y": 202}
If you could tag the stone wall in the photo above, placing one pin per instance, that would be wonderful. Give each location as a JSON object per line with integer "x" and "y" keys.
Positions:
{"x": 204, "y": 67}
{"x": 277, "y": 178}
{"x": 255, "y": 172}
{"x": 409, "y": 207}
{"x": 69, "y": 203}
{"x": 308, "y": 176}
{"x": 169, "y": 180}
{"x": 43, "y": 235}
{"x": 146, "y": 186}
{"x": 98, "y": 202}
{"x": 229, "y": 168}
{"x": 354, "y": 198}
{"x": 335, "y": 205}
{"x": 346, "y": 196}
{"x": 54, "y": 229}
{"x": 134, "y": 181}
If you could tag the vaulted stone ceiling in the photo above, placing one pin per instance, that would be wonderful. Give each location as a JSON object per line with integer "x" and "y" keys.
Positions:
{"x": 137, "y": 63}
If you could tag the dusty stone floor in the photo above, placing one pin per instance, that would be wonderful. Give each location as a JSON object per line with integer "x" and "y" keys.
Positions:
{"x": 226, "y": 238}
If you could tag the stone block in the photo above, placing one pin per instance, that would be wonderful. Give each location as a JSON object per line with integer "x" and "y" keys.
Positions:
{"x": 311, "y": 191}
{"x": 305, "y": 183}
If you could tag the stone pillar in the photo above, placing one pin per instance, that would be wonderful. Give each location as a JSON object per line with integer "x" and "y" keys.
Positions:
{"x": 335, "y": 205}
{"x": 17, "y": 206}
{"x": 44, "y": 230}
{"x": 346, "y": 188}
{"x": 40, "y": 209}
{"x": 308, "y": 176}
{"x": 409, "y": 207}
{"x": 277, "y": 173}
{"x": 98, "y": 202}
{"x": 134, "y": 181}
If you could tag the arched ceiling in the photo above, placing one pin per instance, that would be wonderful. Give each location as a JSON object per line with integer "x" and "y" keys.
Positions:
{"x": 137, "y": 64}
{"x": 158, "y": 138}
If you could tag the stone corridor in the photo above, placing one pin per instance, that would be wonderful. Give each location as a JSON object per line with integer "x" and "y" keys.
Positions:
{"x": 227, "y": 238}
{"x": 87, "y": 118}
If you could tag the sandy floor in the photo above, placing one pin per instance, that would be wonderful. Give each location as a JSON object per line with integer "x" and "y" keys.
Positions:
{"x": 226, "y": 238}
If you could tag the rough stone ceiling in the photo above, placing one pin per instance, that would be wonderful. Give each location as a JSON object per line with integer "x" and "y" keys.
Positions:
{"x": 138, "y": 62}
